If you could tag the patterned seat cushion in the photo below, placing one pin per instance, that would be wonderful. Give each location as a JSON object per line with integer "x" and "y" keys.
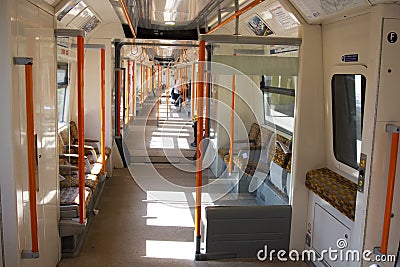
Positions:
{"x": 70, "y": 195}
{"x": 338, "y": 191}
{"x": 250, "y": 167}
{"x": 226, "y": 158}
{"x": 253, "y": 136}
{"x": 71, "y": 180}
{"x": 279, "y": 156}
{"x": 254, "y": 133}
{"x": 245, "y": 165}
{"x": 73, "y": 131}
{"x": 222, "y": 152}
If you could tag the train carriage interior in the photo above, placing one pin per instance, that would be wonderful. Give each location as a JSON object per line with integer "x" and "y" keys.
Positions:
{"x": 199, "y": 133}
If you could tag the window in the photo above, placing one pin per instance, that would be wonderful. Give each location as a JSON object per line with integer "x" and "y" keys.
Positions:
{"x": 62, "y": 86}
{"x": 61, "y": 101}
{"x": 348, "y": 97}
{"x": 279, "y": 102}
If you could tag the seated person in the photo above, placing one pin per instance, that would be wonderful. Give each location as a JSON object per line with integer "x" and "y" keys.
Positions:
{"x": 194, "y": 143}
{"x": 175, "y": 92}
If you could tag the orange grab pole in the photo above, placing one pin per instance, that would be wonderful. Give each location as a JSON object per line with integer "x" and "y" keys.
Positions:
{"x": 167, "y": 90}
{"x": 158, "y": 95}
{"x": 81, "y": 129}
{"x": 103, "y": 108}
{"x": 133, "y": 89}
{"x": 207, "y": 121}
{"x": 185, "y": 92}
{"x": 390, "y": 192}
{"x": 129, "y": 92}
{"x": 236, "y": 14}
{"x": 142, "y": 84}
{"x": 30, "y": 133}
{"x": 146, "y": 75}
{"x": 232, "y": 129}
{"x": 159, "y": 82}
{"x": 192, "y": 91}
{"x": 199, "y": 172}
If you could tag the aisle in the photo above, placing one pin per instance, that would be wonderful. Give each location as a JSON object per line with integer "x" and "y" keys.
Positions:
{"x": 146, "y": 213}
{"x": 123, "y": 234}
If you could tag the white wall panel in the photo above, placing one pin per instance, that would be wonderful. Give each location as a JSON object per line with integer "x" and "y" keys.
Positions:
{"x": 341, "y": 38}
{"x": 8, "y": 197}
{"x": 309, "y": 137}
{"x": 31, "y": 35}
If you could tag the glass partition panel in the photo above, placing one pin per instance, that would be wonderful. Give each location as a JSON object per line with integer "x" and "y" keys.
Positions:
{"x": 265, "y": 88}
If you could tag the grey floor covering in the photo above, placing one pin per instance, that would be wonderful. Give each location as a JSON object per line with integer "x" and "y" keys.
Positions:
{"x": 146, "y": 213}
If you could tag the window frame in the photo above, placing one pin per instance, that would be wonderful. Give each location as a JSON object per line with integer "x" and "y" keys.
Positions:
{"x": 265, "y": 89}
{"x": 340, "y": 158}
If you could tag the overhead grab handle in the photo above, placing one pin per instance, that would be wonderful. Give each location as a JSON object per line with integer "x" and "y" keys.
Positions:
{"x": 30, "y": 134}
{"x": 394, "y": 130}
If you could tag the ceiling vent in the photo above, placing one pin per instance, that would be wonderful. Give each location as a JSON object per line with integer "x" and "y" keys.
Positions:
{"x": 78, "y": 15}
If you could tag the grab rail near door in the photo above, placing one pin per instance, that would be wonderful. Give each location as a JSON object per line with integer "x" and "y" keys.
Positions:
{"x": 394, "y": 130}
{"x": 199, "y": 171}
{"x": 81, "y": 128}
{"x": 79, "y": 34}
{"x": 232, "y": 128}
{"x": 30, "y": 133}
{"x": 103, "y": 108}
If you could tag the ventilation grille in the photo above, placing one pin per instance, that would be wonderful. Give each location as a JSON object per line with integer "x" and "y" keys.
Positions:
{"x": 86, "y": 20}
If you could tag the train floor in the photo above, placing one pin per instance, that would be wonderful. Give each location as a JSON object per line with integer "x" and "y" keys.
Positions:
{"x": 146, "y": 213}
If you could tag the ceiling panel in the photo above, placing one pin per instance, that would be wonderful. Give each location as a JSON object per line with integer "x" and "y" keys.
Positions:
{"x": 316, "y": 11}
{"x": 53, "y": 3}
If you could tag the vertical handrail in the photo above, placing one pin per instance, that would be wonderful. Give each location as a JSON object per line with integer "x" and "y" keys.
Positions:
{"x": 199, "y": 171}
{"x": 146, "y": 81}
{"x": 168, "y": 90}
{"x": 133, "y": 89}
{"x": 158, "y": 94}
{"x": 30, "y": 135}
{"x": 185, "y": 93}
{"x": 192, "y": 91}
{"x": 119, "y": 103}
{"x": 141, "y": 85}
{"x": 103, "y": 108}
{"x": 129, "y": 91}
{"x": 81, "y": 129}
{"x": 232, "y": 126}
{"x": 394, "y": 130}
{"x": 207, "y": 121}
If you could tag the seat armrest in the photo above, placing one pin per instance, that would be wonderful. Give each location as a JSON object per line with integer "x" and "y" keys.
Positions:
{"x": 88, "y": 150}
{"x": 68, "y": 168}
{"x": 75, "y": 158}
{"x": 241, "y": 141}
{"x": 94, "y": 143}
{"x": 284, "y": 147}
{"x": 68, "y": 155}
{"x": 90, "y": 140}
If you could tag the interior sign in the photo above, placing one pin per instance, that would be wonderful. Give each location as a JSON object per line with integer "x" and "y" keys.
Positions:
{"x": 392, "y": 37}
{"x": 350, "y": 58}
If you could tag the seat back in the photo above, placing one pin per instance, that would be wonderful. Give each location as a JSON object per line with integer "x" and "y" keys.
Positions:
{"x": 242, "y": 231}
{"x": 73, "y": 130}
